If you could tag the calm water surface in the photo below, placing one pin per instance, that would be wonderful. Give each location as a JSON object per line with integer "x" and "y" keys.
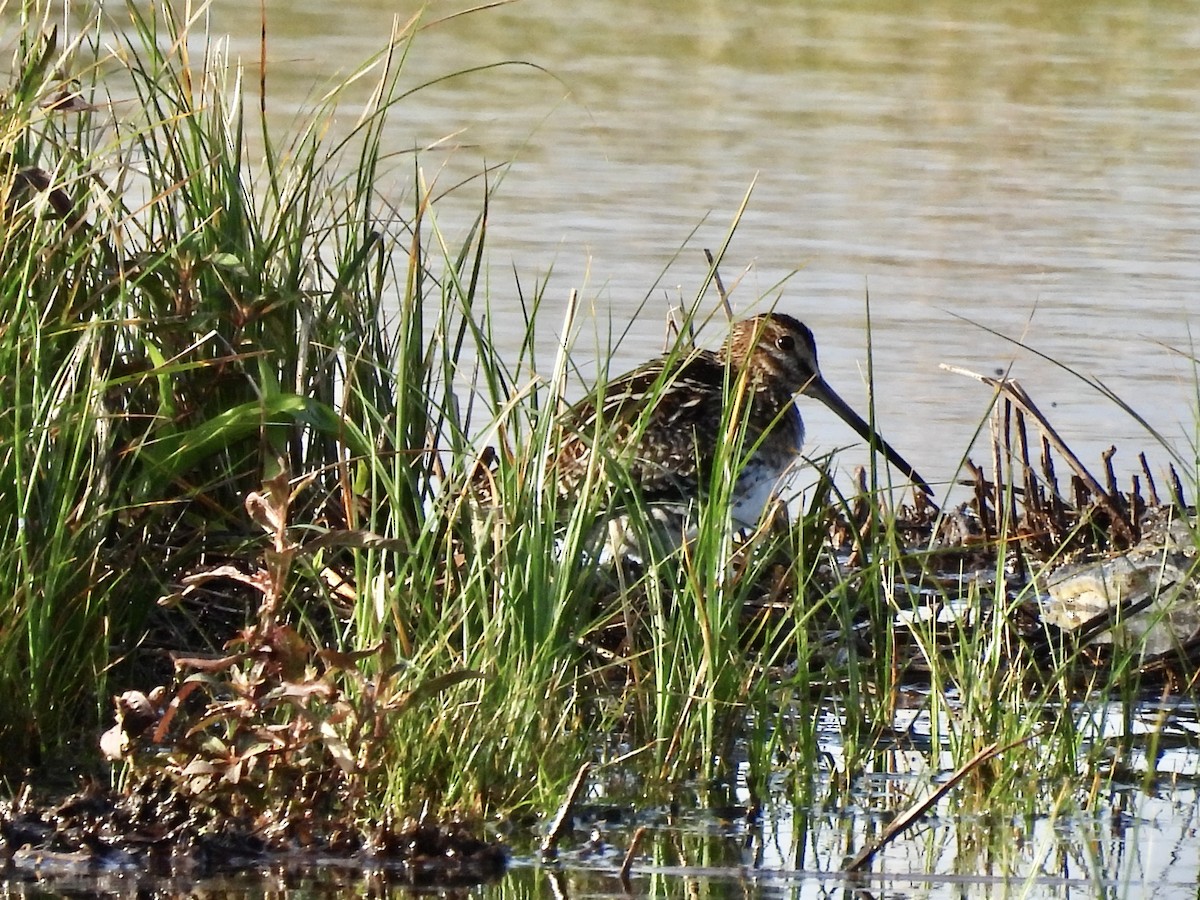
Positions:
{"x": 1031, "y": 167}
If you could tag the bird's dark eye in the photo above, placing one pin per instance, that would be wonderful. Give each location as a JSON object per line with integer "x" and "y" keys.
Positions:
{"x": 786, "y": 343}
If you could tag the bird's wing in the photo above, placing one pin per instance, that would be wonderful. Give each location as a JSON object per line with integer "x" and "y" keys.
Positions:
{"x": 654, "y": 442}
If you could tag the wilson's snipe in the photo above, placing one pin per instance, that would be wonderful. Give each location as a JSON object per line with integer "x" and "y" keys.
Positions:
{"x": 662, "y": 423}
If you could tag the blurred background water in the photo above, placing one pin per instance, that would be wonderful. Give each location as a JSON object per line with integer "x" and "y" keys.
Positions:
{"x": 1027, "y": 167}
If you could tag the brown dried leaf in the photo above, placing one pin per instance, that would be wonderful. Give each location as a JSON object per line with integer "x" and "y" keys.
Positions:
{"x": 339, "y": 585}
{"x": 205, "y": 664}
{"x": 337, "y": 748}
{"x": 256, "y": 580}
{"x": 303, "y": 690}
{"x": 199, "y": 766}
{"x": 270, "y": 509}
{"x": 337, "y": 659}
{"x": 185, "y": 690}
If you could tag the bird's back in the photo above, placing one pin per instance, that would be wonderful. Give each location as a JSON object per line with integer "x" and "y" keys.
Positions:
{"x": 651, "y": 429}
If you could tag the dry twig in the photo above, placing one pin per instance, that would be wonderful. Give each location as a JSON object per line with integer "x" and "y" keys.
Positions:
{"x": 550, "y": 842}
{"x": 914, "y": 812}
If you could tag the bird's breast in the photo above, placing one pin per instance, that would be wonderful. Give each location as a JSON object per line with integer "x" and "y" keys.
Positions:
{"x": 760, "y": 478}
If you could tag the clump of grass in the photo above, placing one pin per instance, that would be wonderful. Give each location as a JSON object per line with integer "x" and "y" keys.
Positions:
{"x": 175, "y": 322}
{"x": 277, "y": 735}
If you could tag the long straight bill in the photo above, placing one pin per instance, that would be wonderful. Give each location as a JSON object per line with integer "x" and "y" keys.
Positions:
{"x": 819, "y": 390}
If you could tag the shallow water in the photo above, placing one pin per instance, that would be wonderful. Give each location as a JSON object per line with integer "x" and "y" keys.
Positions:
{"x": 1030, "y": 166}
{"x": 1140, "y": 835}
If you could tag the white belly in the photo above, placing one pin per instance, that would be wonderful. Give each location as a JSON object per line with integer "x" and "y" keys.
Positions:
{"x": 754, "y": 495}
{"x": 758, "y": 485}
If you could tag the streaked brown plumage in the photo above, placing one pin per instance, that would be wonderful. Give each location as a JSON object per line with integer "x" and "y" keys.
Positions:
{"x": 667, "y": 451}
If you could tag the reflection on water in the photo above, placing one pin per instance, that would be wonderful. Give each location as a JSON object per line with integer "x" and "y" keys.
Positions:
{"x": 1031, "y": 166}
{"x": 1129, "y": 827}
{"x": 1137, "y": 835}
